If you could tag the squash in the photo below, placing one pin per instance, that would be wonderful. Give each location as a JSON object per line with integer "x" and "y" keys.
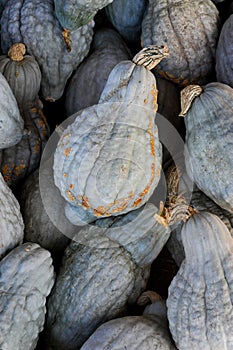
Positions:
{"x": 38, "y": 226}
{"x": 76, "y": 13}
{"x": 19, "y": 161}
{"x": 11, "y": 122}
{"x": 26, "y": 278}
{"x": 209, "y": 152}
{"x": 126, "y": 16}
{"x": 125, "y": 111}
{"x": 191, "y": 29}
{"x": 57, "y": 52}
{"x": 148, "y": 331}
{"x": 199, "y": 303}
{"x": 224, "y": 56}
{"x": 22, "y": 73}
{"x": 105, "y": 266}
{"x": 11, "y": 221}
{"x": 108, "y": 50}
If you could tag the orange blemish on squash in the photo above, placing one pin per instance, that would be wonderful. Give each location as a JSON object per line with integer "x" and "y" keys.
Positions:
{"x": 33, "y": 109}
{"x": 85, "y": 202}
{"x": 67, "y": 151}
{"x": 136, "y": 202}
{"x": 70, "y": 196}
{"x": 63, "y": 141}
{"x": 145, "y": 100}
{"x": 146, "y": 189}
{"x": 36, "y": 148}
{"x": 65, "y": 174}
{"x": 152, "y": 141}
{"x": 19, "y": 168}
{"x": 154, "y": 92}
{"x": 71, "y": 186}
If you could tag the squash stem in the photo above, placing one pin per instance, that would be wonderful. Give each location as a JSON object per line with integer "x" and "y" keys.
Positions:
{"x": 150, "y": 56}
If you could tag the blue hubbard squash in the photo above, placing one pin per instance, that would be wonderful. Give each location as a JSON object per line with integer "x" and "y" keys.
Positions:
{"x": 57, "y": 51}
{"x": 108, "y": 161}
{"x": 191, "y": 29}
{"x": 126, "y": 16}
{"x": 208, "y": 119}
{"x": 108, "y": 50}
{"x": 76, "y": 13}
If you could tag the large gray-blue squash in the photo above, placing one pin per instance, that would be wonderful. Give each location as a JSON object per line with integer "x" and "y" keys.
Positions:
{"x": 190, "y": 28}
{"x": 209, "y": 132}
{"x": 200, "y": 300}
{"x": 103, "y": 269}
{"x": 11, "y": 122}
{"x": 26, "y": 279}
{"x": 145, "y": 332}
{"x": 108, "y": 50}
{"x": 108, "y": 161}
{"x": 126, "y": 16}
{"x": 73, "y": 14}
{"x": 11, "y": 221}
{"x": 57, "y": 52}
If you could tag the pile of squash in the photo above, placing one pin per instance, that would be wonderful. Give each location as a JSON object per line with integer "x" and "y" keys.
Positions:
{"x": 116, "y": 175}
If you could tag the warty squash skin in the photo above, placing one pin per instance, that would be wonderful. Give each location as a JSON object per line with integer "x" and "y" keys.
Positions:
{"x": 11, "y": 221}
{"x": 58, "y": 53}
{"x": 19, "y": 161}
{"x": 120, "y": 128}
{"x": 11, "y": 122}
{"x": 149, "y": 331}
{"x": 126, "y": 16}
{"x": 105, "y": 267}
{"x": 76, "y": 13}
{"x": 191, "y": 29}
{"x": 209, "y": 151}
{"x": 93, "y": 285}
{"x": 224, "y": 54}
{"x": 26, "y": 279}
{"x": 22, "y": 73}
{"x": 108, "y": 50}
{"x": 199, "y": 303}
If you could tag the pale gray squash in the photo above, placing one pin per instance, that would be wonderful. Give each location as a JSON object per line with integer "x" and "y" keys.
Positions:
{"x": 11, "y": 122}
{"x": 208, "y": 112}
{"x": 114, "y": 144}
{"x": 26, "y": 279}
{"x": 11, "y": 221}
{"x": 200, "y": 310}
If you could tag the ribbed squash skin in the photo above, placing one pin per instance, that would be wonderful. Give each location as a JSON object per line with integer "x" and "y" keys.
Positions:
{"x": 38, "y": 226}
{"x": 11, "y": 122}
{"x": 133, "y": 333}
{"x": 200, "y": 311}
{"x": 26, "y": 278}
{"x": 19, "y": 161}
{"x": 209, "y": 151}
{"x": 24, "y": 77}
{"x": 224, "y": 53}
{"x": 76, "y": 13}
{"x": 114, "y": 145}
{"x": 11, "y": 221}
{"x": 108, "y": 50}
{"x": 126, "y": 16}
{"x": 190, "y": 29}
{"x": 42, "y": 35}
{"x": 93, "y": 286}
{"x": 200, "y": 202}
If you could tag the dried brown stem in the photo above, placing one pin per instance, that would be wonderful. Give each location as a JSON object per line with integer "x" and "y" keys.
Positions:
{"x": 17, "y": 52}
